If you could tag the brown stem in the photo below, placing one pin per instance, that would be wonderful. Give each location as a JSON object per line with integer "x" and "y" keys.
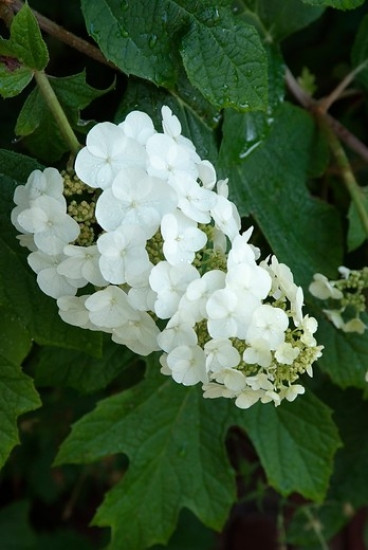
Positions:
{"x": 63, "y": 35}
{"x": 312, "y": 105}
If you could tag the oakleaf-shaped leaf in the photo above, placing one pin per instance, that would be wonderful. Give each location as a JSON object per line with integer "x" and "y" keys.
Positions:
{"x": 175, "y": 442}
{"x": 296, "y": 443}
{"x": 268, "y": 161}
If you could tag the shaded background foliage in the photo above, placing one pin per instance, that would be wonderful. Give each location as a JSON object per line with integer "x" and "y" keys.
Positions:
{"x": 280, "y": 176}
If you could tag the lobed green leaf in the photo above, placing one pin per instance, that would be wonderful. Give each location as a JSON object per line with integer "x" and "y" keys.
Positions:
{"x": 296, "y": 443}
{"x": 177, "y": 455}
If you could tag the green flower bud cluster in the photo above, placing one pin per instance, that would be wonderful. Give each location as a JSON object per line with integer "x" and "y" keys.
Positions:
{"x": 81, "y": 207}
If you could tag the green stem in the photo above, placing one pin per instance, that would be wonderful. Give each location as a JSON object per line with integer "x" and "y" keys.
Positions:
{"x": 346, "y": 172}
{"x": 57, "y": 111}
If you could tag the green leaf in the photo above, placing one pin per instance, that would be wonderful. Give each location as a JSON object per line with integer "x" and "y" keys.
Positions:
{"x": 17, "y": 396}
{"x": 15, "y": 340}
{"x": 356, "y": 233}
{"x": 359, "y": 52}
{"x": 223, "y": 56}
{"x": 267, "y": 178}
{"x": 227, "y": 62}
{"x": 345, "y": 355}
{"x": 13, "y": 80}
{"x": 338, "y": 4}
{"x": 35, "y": 121}
{"x": 61, "y": 367}
{"x": 26, "y": 43}
{"x": 349, "y": 483}
{"x": 137, "y": 36}
{"x": 17, "y": 166}
{"x": 16, "y": 533}
{"x": 296, "y": 443}
{"x": 175, "y": 442}
{"x": 277, "y": 19}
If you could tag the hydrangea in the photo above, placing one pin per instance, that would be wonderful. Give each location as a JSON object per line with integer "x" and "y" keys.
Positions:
{"x": 345, "y": 298}
{"x": 143, "y": 243}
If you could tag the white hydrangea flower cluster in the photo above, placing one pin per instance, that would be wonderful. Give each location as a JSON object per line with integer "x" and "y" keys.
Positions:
{"x": 346, "y": 296}
{"x": 149, "y": 234}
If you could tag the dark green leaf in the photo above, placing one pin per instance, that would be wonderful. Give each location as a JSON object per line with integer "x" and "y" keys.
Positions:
{"x": 359, "y": 52}
{"x": 268, "y": 161}
{"x": 16, "y": 533}
{"x": 137, "y": 36}
{"x": 356, "y": 233}
{"x": 338, "y": 4}
{"x": 349, "y": 482}
{"x": 17, "y": 166}
{"x": 222, "y": 55}
{"x": 174, "y": 440}
{"x": 190, "y": 534}
{"x": 61, "y": 367}
{"x": 345, "y": 355}
{"x": 15, "y": 340}
{"x": 227, "y": 62}
{"x": 13, "y": 81}
{"x": 26, "y": 43}
{"x": 296, "y": 443}
{"x": 277, "y": 19}
{"x": 17, "y": 396}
